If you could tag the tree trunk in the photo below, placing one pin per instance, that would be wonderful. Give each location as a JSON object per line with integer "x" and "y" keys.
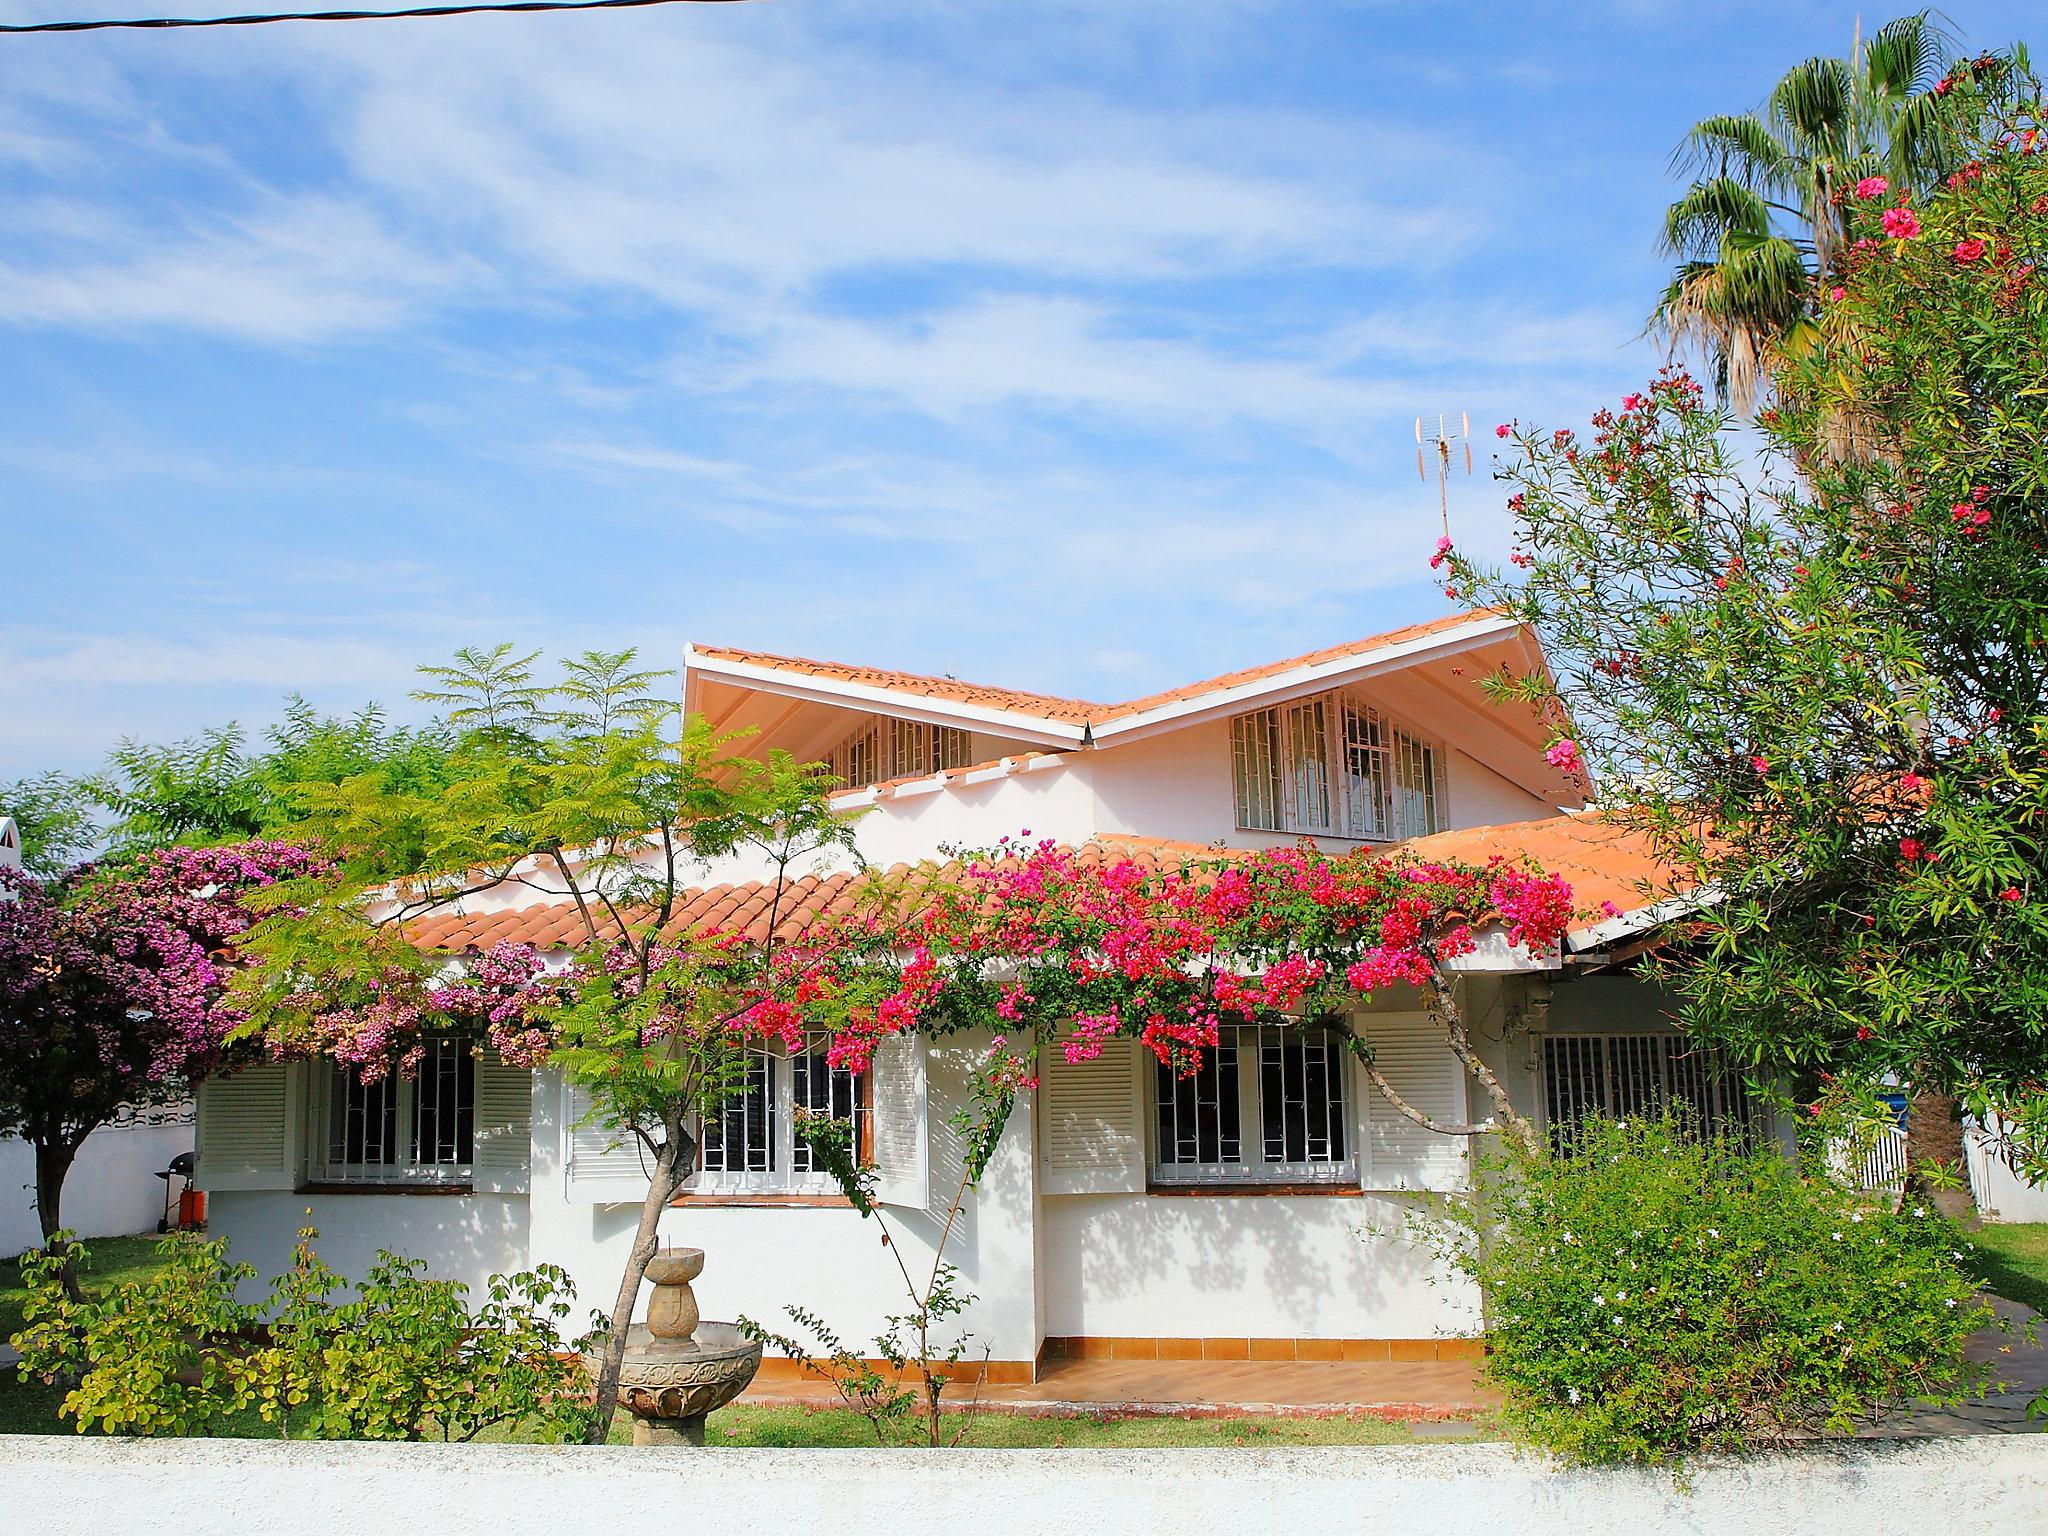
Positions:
{"x": 661, "y": 1189}
{"x": 53, "y": 1162}
{"x": 1442, "y": 1003}
{"x": 1934, "y": 1136}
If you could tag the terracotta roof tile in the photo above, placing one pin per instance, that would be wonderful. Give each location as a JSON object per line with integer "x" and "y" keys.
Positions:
{"x": 1603, "y": 862}
{"x": 1068, "y": 711}
{"x": 1044, "y": 705}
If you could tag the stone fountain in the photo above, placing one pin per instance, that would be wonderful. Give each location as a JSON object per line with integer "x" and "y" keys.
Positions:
{"x": 677, "y": 1368}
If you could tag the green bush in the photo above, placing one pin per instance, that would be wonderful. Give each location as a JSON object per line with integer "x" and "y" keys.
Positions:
{"x": 1651, "y": 1295}
{"x": 407, "y": 1357}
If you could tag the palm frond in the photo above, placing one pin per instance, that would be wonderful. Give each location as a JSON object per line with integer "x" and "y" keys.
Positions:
{"x": 1906, "y": 56}
{"x": 1813, "y": 107}
{"x": 1708, "y": 213}
{"x": 1733, "y": 144}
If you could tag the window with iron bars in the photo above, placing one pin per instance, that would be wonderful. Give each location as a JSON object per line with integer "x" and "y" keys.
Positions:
{"x": 751, "y": 1145}
{"x": 1268, "y": 1106}
{"x": 415, "y": 1129}
{"x": 895, "y": 749}
{"x": 1617, "y": 1076}
{"x": 1332, "y": 766}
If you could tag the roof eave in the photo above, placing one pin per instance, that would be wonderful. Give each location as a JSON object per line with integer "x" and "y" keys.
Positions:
{"x": 1298, "y": 682}
{"x": 1036, "y": 729}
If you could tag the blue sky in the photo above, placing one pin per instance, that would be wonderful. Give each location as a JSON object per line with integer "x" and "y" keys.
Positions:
{"x": 1074, "y": 346}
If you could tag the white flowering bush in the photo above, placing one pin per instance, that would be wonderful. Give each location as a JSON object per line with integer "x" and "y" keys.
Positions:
{"x": 1651, "y": 1295}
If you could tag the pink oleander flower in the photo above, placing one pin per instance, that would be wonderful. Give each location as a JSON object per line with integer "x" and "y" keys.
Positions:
{"x": 1872, "y": 187}
{"x": 1968, "y": 251}
{"x": 2010, "y": 893}
{"x": 1837, "y": 293}
{"x": 1501, "y": 430}
{"x": 1564, "y": 754}
{"x": 1760, "y": 763}
{"x": 1901, "y": 223}
{"x": 1912, "y": 783}
{"x": 1443, "y": 553}
{"x": 1912, "y": 850}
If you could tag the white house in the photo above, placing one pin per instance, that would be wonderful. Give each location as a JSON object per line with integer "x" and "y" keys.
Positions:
{"x": 1238, "y": 1214}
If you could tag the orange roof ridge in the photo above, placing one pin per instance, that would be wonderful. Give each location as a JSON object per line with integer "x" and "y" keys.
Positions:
{"x": 1047, "y": 705}
{"x": 1078, "y": 711}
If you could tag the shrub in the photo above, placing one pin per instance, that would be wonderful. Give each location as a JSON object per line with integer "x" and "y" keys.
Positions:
{"x": 1652, "y": 1294}
{"x": 405, "y": 1358}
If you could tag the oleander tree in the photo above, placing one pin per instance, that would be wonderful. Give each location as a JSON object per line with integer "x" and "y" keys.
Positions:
{"x": 1824, "y": 694}
{"x": 111, "y": 991}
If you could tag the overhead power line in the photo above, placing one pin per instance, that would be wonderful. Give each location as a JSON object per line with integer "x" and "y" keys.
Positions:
{"x": 158, "y": 22}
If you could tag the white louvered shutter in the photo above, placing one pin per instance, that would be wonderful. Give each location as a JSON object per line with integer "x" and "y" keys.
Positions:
{"x": 600, "y": 1166}
{"x": 504, "y": 1126}
{"x": 1092, "y": 1119}
{"x": 1414, "y": 1056}
{"x": 901, "y": 1122}
{"x": 244, "y": 1138}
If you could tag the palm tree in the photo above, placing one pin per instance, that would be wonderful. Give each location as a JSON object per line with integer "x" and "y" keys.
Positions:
{"x": 1766, "y": 211}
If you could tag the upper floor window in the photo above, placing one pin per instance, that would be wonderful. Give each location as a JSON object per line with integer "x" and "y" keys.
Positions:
{"x": 1268, "y": 1106}
{"x": 416, "y": 1129}
{"x": 894, "y": 749}
{"x": 751, "y": 1146}
{"x": 1332, "y": 766}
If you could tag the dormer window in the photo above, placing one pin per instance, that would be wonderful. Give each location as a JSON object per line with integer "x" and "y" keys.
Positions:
{"x": 1333, "y": 766}
{"x": 897, "y": 749}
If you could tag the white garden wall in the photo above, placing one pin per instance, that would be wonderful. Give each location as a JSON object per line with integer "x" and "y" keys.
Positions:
{"x": 57, "y": 1486}
{"x": 112, "y": 1189}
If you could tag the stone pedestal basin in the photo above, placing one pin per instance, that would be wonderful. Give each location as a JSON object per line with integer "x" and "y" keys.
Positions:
{"x": 678, "y": 1369}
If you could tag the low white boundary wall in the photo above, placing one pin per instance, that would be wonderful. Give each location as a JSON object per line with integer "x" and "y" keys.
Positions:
{"x": 55, "y": 1486}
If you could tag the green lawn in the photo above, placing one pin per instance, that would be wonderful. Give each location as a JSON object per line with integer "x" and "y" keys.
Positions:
{"x": 2013, "y": 1259}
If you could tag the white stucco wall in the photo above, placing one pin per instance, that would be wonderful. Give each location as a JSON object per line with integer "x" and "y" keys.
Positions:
{"x": 1251, "y": 1266}
{"x": 761, "y": 1259}
{"x": 2002, "y": 1195}
{"x": 112, "y": 1189}
{"x": 1987, "y": 1483}
{"x": 461, "y": 1237}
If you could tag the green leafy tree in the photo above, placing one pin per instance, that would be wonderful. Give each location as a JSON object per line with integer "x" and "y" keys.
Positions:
{"x": 53, "y": 813}
{"x": 1765, "y": 212}
{"x": 1823, "y": 699}
{"x": 593, "y": 793}
{"x": 214, "y": 787}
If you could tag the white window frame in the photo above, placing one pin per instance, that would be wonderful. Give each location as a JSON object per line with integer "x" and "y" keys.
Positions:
{"x": 884, "y": 748}
{"x": 1253, "y": 1167}
{"x": 783, "y": 1148}
{"x": 1335, "y": 765}
{"x": 405, "y": 1167}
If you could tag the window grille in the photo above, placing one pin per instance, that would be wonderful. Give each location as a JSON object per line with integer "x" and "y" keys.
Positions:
{"x": 1332, "y": 766}
{"x": 416, "y": 1129}
{"x": 894, "y": 749}
{"x": 819, "y": 1088}
{"x": 1622, "y": 1075}
{"x": 750, "y": 1145}
{"x": 1287, "y": 1081}
{"x": 740, "y": 1137}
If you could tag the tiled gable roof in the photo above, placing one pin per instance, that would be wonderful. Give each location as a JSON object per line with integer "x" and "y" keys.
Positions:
{"x": 1068, "y": 711}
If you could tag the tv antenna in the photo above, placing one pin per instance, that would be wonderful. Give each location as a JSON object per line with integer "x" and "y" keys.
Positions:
{"x": 1444, "y": 436}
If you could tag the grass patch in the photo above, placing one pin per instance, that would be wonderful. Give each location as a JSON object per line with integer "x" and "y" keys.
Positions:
{"x": 2012, "y": 1258}
{"x": 742, "y": 1425}
{"x": 109, "y": 1262}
